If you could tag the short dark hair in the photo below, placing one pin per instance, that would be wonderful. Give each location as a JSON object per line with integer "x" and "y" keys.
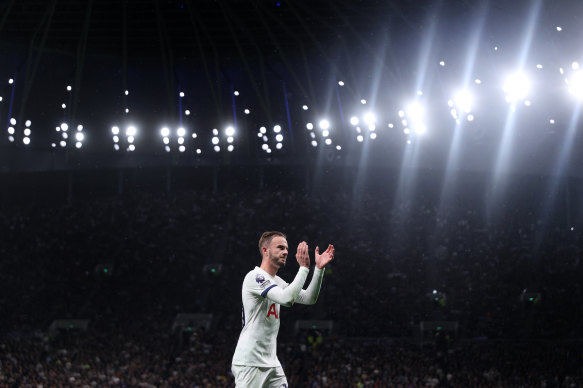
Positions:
{"x": 266, "y": 239}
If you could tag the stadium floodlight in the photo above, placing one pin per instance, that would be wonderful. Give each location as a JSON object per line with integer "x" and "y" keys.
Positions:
{"x": 328, "y": 141}
{"x": 27, "y": 132}
{"x": 63, "y": 143}
{"x": 463, "y": 100}
{"x": 13, "y": 121}
{"x": 53, "y": 145}
{"x": 69, "y": 88}
{"x": 265, "y": 138}
{"x": 131, "y": 131}
{"x": 127, "y": 92}
{"x": 230, "y": 131}
{"x": 338, "y": 147}
{"x": 390, "y": 125}
{"x": 79, "y": 127}
{"x": 27, "y": 123}
{"x": 247, "y": 111}
{"x": 279, "y": 137}
{"x": 167, "y": 148}
{"x": 539, "y": 66}
{"x": 198, "y": 151}
{"x": 360, "y": 138}
{"x": 314, "y": 143}
{"x": 373, "y": 135}
{"x": 559, "y": 28}
{"x": 64, "y": 106}
{"x": 354, "y": 120}
{"x": 217, "y": 148}
{"x": 517, "y": 86}
{"x": 116, "y": 139}
{"x": 406, "y": 131}
{"x": 166, "y": 140}
{"x": 363, "y": 101}
{"x": 277, "y": 129}
{"x": 26, "y": 140}
{"x": 11, "y": 139}
{"x": 576, "y": 85}
{"x": 442, "y": 63}
{"x": 575, "y": 65}
{"x": 230, "y": 139}
{"x": 194, "y": 135}
{"x": 116, "y": 147}
{"x": 187, "y": 112}
{"x": 551, "y": 121}
{"x": 65, "y": 136}
{"x": 11, "y": 81}
{"x": 408, "y": 141}
{"x": 115, "y": 130}
{"x": 181, "y": 132}
{"x": 372, "y": 127}
{"x": 78, "y": 144}
{"x": 401, "y": 113}
{"x": 215, "y": 140}
{"x": 305, "y": 107}
{"x": 309, "y": 126}
{"x": 11, "y": 130}
{"x": 79, "y": 136}
{"x": 1, "y": 98}
{"x": 131, "y": 148}
{"x": 259, "y": 134}
{"x": 264, "y": 146}
{"x": 279, "y": 146}
{"x": 268, "y": 150}
{"x": 165, "y": 132}
{"x": 181, "y": 94}
{"x": 324, "y": 124}
{"x": 127, "y": 110}
{"x": 325, "y": 133}
{"x": 236, "y": 92}
{"x": 263, "y": 130}
{"x": 341, "y": 83}
{"x": 230, "y": 148}
{"x": 180, "y": 140}
{"x": 215, "y": 132}
{"x": 419, "y": 92}
{"x": 182, "y": 148}
{"x": 130, "y": 139}
{"x": 370, "y": 118}
{"x": 470, "y": 117}
{"x": 312, "y": 135}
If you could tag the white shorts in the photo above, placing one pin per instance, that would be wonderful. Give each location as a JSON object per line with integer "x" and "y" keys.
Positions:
{"x": 259, "y": 377}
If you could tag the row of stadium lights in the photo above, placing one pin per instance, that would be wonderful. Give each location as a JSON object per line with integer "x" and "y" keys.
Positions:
{"x": 516, "y": 88}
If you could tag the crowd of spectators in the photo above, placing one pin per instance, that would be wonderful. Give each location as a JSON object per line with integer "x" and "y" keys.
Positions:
{"x": 130, "y": 263}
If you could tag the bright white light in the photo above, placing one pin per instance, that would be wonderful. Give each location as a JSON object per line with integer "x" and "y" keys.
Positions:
{"x": 401, "y": 113}
{"x": 325, "y": 133}
{"x": 314, "y": 143}
{"x": 265, "y": 138}
{"x": 0, "y": 98}
{"x": 358, "y": 130}
{"x": 230, "y": 131}
{"x": 263, "y": 130}
{"x": 561, "y": 70}
{"x": 247, "y": 111}
{"x": 277, "y": 129}
{"x": 517, "y": 87}
{"x": 309, "y": 126}
{"x": 415, "y": 111}
{"x": 27, "y": 132}
{"x": 363, "y": 101}
{"x": 230, "y": 139}
{"x": 408, "y": 141}
{"x": 130, "y": 139}
{"x": 230, "y": 148}
{"x": 187, "y": 112}
{"x": 470, "y": 117}
{"x": 390, "y": 125}
{"x": 26, "y": 140}
{"x": 194, "y": 135}
{"x": 338, "y": 147}
{"x": 53, "y": 145}
{"x": 576, "y": 85}
{"x": 420, "y": 129}
{"x": 181, "y": 94}
{"x": 69, "y": 88}
{"x": 116, "y": 139}
{"x": 373, "y": 135}
{"x": 279, "y": 146}
{"x": 539, "y": 66}
{"x": 13, "y": 121}
{"x": 575, "y": 65}
{"x": 127, "y": 110}
{"x": 58, "y": 129}
{"x": 63, "y": 143}
{"x": 116, "y": 147}
{"x": 11, "y": 139}
{"x": 27, "y": 123}
{"x": 527, "y": 103}
{"x": 215, "y": 132}
{"x": 360, "y": 138}
{"x": 65, "y": 136}
{"x": 354, "y": 120}
{"x": 324, "y": 124}
{"x": 341, "y": 83}
{"x": 78, "y": 144}
{"x": 166, "y": 140}
{"x": 264, "y": 146}
{"x": 198, "y": 151}
{"x": 551, "y": 121}
{"x": 64, "y": 106}
{"x": 11, "y": 130}
{"x": 217, "y": 148}
{"x": 268, "y": 150}
{"x": 167, "y": 148}
{"x": 11, "y": 81}
{"x": 559, "y": 28}
{"x": 495, "y": 48}
{"x": 131, "y": 131}
{"x": 181, "y": 132}
{"x": 406, "y": 131}
{"x": 79, "y": 127}
{"x": 182, "y": 148}
{"x": 279, "y": 137}
{"x": 165, "y": 132}
{"x": 236, "y": 93}
{"x": 131, "y": 148}
{"x": 305, "y": 107}
{"x": 115, "y": 130}
{"x": 463, "y": 100}
{"x": 259, "y": 134}
{"x": 372, "y": 127}
{"x": 215, "y": 140}
{"x": 328, "y": 141}
{"x": 441, "y": 63}
{"x": 369, "y": 118}
{"x": 180, "y": 140}
{"x": 419, "y": 92}
{"x": 478, "y": 81}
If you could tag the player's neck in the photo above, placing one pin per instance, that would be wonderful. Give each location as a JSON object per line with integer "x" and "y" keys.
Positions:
{"x": 268, "y": 267}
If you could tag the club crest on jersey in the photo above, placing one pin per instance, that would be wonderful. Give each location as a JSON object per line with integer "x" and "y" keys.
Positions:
{"x": 259, "y": 278}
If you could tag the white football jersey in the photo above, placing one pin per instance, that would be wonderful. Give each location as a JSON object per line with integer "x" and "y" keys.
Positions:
{"x": 258, "y": 340}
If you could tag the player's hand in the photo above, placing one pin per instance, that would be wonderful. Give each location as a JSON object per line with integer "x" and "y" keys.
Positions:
{"x": 323, "y": 259}
{"x": 302, "y": 255}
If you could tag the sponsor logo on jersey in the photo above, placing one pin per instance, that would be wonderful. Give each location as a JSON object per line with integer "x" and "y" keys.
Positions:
{"x": 259, "y": 278}
{"x": 265, "y": 284}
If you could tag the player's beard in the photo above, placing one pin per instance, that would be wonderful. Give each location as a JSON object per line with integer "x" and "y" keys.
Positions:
{"x": 277, "y": 261}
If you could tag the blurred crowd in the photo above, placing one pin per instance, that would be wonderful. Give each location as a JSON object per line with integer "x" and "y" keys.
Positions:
{"x": 130, "y": 263}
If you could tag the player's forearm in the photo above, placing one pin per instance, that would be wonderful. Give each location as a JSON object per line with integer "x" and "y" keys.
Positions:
{"x": 288, "y": 295}
{"x": 310, "y": 295}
